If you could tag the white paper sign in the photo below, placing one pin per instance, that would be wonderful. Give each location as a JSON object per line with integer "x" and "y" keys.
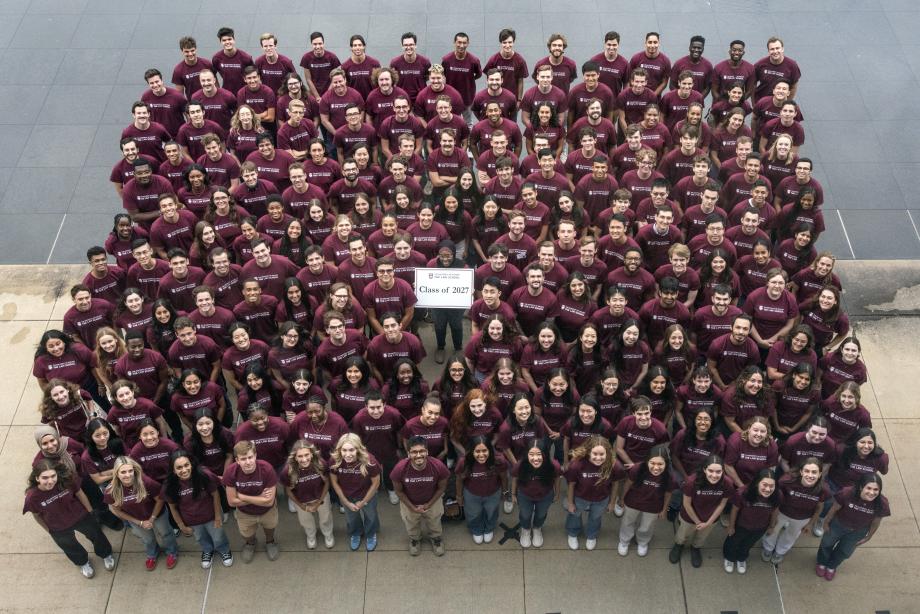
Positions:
{"x": 444, "y": 288}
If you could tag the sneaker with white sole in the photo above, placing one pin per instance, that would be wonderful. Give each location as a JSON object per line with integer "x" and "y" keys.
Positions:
{"x": 291, "y": 507}
{"x": 776, "y": 559}
{"x": 109, "y": 563}
{"x": 329, "y": 541}
{"x": 618, "y": 510}
{"x": 623, "y": 548}
{"x": 487, "y": 538}
{"x": 818, "y": 530}
{"x": 742, "y": 566}
{"x": 537, "y": 538}
{"x": 642, "y": 549}
{"x": 227, "y": 559}
{"x": 728, "y": 566}
{"x": 272, "y": 551}
{"x": 508, "y": 506}
{"x": 311, "y": 542}
{"x": 766, "y": 555}
{"x": 477, "y": 539}
{"x": 590, "y": 544}
{"x": 394, "y": 500}
{"x": 573, "y": 542}
{"x": 206, "y": 560}
{"x": 87, "y": 570}
{"x": 249, "y": 552}
{"x": 525, "y": 538}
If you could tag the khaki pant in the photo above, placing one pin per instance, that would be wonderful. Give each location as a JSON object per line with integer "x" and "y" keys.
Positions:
{"x": 308, "y": 519}
{"x": 427, "y": 524}
{"x": 247, "y": 523}
{"x": 640, "y": 525}
{"x": 686, "y": 530}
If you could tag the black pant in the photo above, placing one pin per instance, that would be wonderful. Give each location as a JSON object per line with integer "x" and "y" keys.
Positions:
{"x": 443, "y": 318}
{"x": 737, "y": 546}
{"x": 172, "y": 418}
{"x": 67, "y": 540}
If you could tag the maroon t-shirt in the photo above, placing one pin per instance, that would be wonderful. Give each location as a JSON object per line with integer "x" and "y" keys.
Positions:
{"x": 142, "y": 510}
{"x": 638, "y": 442}
{"x": 86, "y": 323}
{"x": 354, "y": 485}
{"x": 209, "y": 396}
{"x": 533, "y": 488}
{"x": 144, "y": 372}
{"x": 646, "y": 495}
{"x": 236, "y": 360}
{"x": 706, "y": 498}
{"x": 154, "y": 461}
{"x": 799, "y": 502}
{"x": 308, "y": 485}
{"x": 433, "y": 435}
{"x": 856, "y": 514}
{"x": 770, "y": 315}
{"x": 251, "y": 484}
{"x": 482, "y": 481}
{"x": 419, "y": 485}
{"x": 753, "y": 515}
{"x": 198, "y": 510}
{"x": 742, "y": 407}
{"x": 58, "y": 508}
{"x": 384, "y": 355}
{"x": 531, "y": 310}
{"x": 731, "y": 359}
{"x": 271, "y": 444}
{"x": 74, "y": 365}
{"x": 213, "y": 457}
{"x": 748, "y": 460}
{"x": 843, "y": 423}
{"x": 587, "y": 479}
{"x": 109, "y": 287}
{"x": 332, "y": 357}
{"x": 412, "y": 75}
{"x": 792, "y": 404}
{"x": 692, "y": 454}
{"x": 324, "y": 436}
{"x": 797, "y": 448}
{"x": 380, "y": 434}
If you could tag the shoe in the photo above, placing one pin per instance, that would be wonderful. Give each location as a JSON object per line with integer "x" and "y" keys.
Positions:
{"x": 249, "y": 552}
{"x": 696, "y": 557}
{"x": 487, "y": 538}
{"x": 354, "y": 542}
{"x": 225, "y": 517}
{"x": 573, "y": 542}
{"x": 623, "y": 548}
{"x": 438, "y": 546}
{"x": 674, "y": 554}
{"x": 394, "y": 500}
{"x": 829, "y": 574}
{"x": 87, "y": 570}
{"x": 590, "y": 544}
{"x": 171, "y": 560}
{"x": 439, "y": 356}
{"x": 413, "y": 547}
{"x": 818, "y": 531}
{"x": 742, "y": 567}
{"x": 272, "y": 551}
{"x": 537, "y": 537}
{"x": 311, "y": 542}
{"x": 206, "y": 559}
{"x": 618, "y": 510}
{"x": 371, "y": 543}
{"x": 776, "y": 559}
{"x": 525, "y": 538}
{"x": 820, "y": 570}
{"x": 291, "y": 507}
{"x": 477, "y": 539}
{"x": 341, "y": 509}
{"x": 766, "y": 556}
{"x": 672, "y": 514}
{"x": 508, "y": 506}
{"x": 109, "y": 563}
{"x": 151, "y": 563}
{"x": 642, "y": 549}
{"x": 728, "y": 565}
{"x": 227, "y": 559}
{"x": 329, "y": 541}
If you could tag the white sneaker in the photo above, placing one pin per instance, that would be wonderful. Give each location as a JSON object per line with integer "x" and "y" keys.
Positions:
{"x": 618, "y": 510}
{"x": 477, "y": 539}
{"x": 766, "y": 555}
{"x": 109, "y": 562}
{"x": 311, "y": 542}
{"x": 537, "y": 537}
{"x": 590, "y": 544}
{"x": 623, "y": 548}
{"x": 394, "y": 500}
{"x": 525, "y": 538}
{"x": 487, "y": 538}
{"x": 573, "y": 542}
{"x": 818, "y": 531}
{"x": 87, "y": 570}
{"x": 642, "y": 549}
{"x": 291, "y": 508}
{"x": 329, "y": 541}
{"x": 742, "y": 566}
{"x": 728, "y": 566}
{"x": 508, "y": 506}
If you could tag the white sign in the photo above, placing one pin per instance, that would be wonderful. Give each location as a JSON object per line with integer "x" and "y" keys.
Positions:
{"x": 444, "y": 288}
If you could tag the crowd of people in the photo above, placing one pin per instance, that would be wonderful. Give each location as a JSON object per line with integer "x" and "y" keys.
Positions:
{"x": 653, "y": 335}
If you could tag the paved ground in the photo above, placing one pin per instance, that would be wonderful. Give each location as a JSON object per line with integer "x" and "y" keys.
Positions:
{"x": 69, "y": 70}
{"x": 34, "y": 576}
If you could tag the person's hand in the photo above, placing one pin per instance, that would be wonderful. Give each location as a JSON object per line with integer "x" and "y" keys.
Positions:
{"x": 808, "y": 528}
{"x": 514, "y": 499}
{"x": 663, "y": 514}
{"x": 701, "y": 526}
{"x": 147, "y": 524}
{"x": 187, "y": 530}
{"x": 730, "y": 530}
{"x": 570, "y": 506}
{"x": 351, "y": 506}
{"x": 421, "y": 509}
{"x": 218, "y": 521}
{"x": 553, "y": 435}
{"x": 265, "y": 493}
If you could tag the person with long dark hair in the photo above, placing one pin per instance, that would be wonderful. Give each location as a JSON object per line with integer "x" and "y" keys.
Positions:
{"x": 704, "y": 498}
{"x": 797, "y": 400}
{"x": 585, "y": 358}
{"x": 406, "y": 389}
{"x": 754, "y": 510}
{"x": 745, "y": 398}
{"x": 796, "y": 347}
{"x": 645, "y": 499}
{"x": 555, "y": 401}
{"x": 841, "y": 365}
{"x": 482, "y": 476}
{"x": 295, "y": 305}
{"x": 699, "y": 392}
{"x": 585, "y": 423}
{"x": 659, "y": 390}
{"x": 349, "y": 391}
{"x": 455, "y": 382}
{"x": 209, "y": 442}
{"x": 612, "y": 401}
{"x": 631, "y": 356}
{"x": 103, "y": 446}
{"x": 191, "y": 491}
{"x": 534, "y": 488}
{"x": 259, "y": 391}
{"x": 824, "y": 313}
{"x": 690, "y": 448}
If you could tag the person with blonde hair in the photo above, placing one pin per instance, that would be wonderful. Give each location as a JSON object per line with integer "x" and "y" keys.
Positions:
{"x": 355, "y": 476}
{"x": 306, "y": 481}
{"x": 593, "y": 477}
{"x": 134, "y": 498}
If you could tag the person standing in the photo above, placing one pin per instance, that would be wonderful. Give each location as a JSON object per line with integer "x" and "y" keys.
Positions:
{"x": 420, "y": 482}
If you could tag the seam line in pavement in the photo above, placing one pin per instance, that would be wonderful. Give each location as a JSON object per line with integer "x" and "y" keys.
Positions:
{"x": 846, "y": 234}
{"x": 912, "y": 223}
{"x": 207, "y": 585}
{"x": 56, "y": 237}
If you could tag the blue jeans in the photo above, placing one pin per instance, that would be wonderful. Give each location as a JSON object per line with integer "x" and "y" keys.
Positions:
{"x": 531, "y": 512}
{"x": 363, "y": 522}
{"x": 838, "y": 544}
{"x": 829, "y": 502}
{"x": 481, "y": 512}
{"x": 595, "y": 511}
{"x": 160, "y": 529}
{"x": 211, "y": 538}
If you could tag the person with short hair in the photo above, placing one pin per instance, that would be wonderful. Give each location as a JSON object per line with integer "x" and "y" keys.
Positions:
{"x": 251, "y": 485}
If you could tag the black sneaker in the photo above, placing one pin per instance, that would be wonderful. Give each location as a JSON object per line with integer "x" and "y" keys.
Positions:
{"x": 206, "y": 560}
{"x": 227, "y": 559}
{"x": 674, "y": 554}
{"x": 672, "y": 514}
{"x": 696, "y": 557}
